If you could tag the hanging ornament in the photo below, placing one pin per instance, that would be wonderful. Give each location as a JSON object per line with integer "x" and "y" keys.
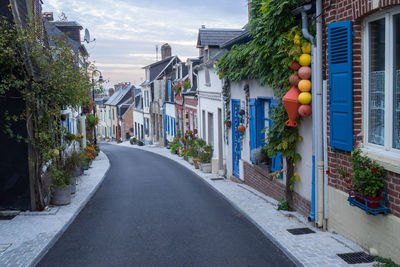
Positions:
{"x": 305, "y": 60}
{"x": 294, "y": 79}
{"x": 295, "y": 66}
{"x": 305, "y": 110}
{"x": 305, "y": 85}
{"x": 241, "y": 129}
{"x": 305, "y": 73}
{"x": 291, "y": 103}
{"x": 304, "y": 98}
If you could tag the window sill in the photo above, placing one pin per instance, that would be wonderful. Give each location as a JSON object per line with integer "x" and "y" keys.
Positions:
{"x": 388, "y": 159}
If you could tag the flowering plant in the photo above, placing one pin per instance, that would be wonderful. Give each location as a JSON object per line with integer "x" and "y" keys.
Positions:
{"x": 367, "y": 177}
{"x": 177, "y": 88}
{"x": 90, "y": 152}
{"x": 186, "y": 84}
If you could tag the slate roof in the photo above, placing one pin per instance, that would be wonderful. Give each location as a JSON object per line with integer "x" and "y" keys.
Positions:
{"x": 53, "y": 32}
{"x": 120, "y": 95}
{"x": 67, "y": 24}
{"x": 241, "y": 38}
{"x": 157, "y": 68}
{"x": 123, "y": 107}
{"x": 216, "y": 37}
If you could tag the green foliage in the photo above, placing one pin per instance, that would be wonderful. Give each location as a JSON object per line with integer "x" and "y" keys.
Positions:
{"x": 175, "y": 147}
{"x": 283, "y": 204}
{"x": 205, "y": 154}
{"x": 47, "y": 79}
{"x": 91, "y": 121}
{"x": 368, "y": 176}
{"x": 267, "y": 57}
{"x": 133, "y": 140}
{"x": 385, "y": 262}
{"x": 60, "y": 176}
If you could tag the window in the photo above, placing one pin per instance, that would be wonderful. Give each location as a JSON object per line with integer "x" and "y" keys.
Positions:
{"x": 382, "y": 81}
{"x": 109, "y": 114}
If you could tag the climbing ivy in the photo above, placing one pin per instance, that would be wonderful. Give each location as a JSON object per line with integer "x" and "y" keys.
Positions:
{"x": 47, "y": 79}
{"x": 267, "y": 58}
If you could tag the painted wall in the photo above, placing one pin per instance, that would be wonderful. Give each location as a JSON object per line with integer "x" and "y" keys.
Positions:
{"x": 138, "y": 120}
{"x": 304, "y": 167}
{"x": 378, "y": 232}
{"x": 170, "y": 113}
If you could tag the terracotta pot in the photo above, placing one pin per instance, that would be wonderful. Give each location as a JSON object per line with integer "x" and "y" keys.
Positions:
{"x": 196, "y": 163}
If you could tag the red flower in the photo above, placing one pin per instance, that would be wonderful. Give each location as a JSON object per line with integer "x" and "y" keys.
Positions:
{"x": 347, "y": 181}
{"x": 374, "y": 169}
{"x": 328, "y": 172}
{"x": 364, "y": 167}
{"x": 347, "y": 174}
{"x": 351, "y": 193}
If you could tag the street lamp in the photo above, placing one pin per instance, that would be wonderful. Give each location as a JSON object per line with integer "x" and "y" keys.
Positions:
{"x": 94, "y": 102}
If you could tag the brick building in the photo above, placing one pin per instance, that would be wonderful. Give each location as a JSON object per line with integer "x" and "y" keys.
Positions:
{"x": 362, "y": 71}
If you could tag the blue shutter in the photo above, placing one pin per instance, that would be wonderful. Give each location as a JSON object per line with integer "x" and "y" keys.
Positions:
{"x": 260, "y": 122}
{"x": 253, "y": 127}
{"x": 276, "y": 162}
{"x": 169, "y": 90}
{"x": 174, "y": 127}
{"x": 340, "y": 85}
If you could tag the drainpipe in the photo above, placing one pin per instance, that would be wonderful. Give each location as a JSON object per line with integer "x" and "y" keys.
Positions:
{"x": 317, "y": 119}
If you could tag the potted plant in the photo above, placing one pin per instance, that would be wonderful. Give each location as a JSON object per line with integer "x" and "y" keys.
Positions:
{"x": 133, "y": 140}
{"x": 61, "y": 191}
{"x": 228, "y": 123}
{"x": 72, "y": 166}
{"x": 205, "y": 155}
{"x": 366, "y": 180}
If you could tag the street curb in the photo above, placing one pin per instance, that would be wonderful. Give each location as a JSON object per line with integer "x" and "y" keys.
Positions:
{"x": 44, "y": 251}
{"x": 268, "y": 235}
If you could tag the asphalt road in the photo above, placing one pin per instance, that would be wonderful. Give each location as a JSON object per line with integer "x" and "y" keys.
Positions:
{"x": 151, "y": 211}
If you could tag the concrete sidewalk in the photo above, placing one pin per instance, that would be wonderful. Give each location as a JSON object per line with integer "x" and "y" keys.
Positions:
{"x": 318, "y": 249}
{"x": 27, "y": 237}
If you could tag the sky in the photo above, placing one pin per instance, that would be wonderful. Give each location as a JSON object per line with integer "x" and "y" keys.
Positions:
{"x": 127, "y": 31}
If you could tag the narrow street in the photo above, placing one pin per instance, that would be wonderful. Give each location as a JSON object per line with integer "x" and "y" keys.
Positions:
{"x": 150, "y": 211}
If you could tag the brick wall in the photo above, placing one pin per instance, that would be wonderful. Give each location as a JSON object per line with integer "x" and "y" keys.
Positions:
{"x": 354, "y": 10}
{"x": 260, "y": 180}
{"x": 128, "y": 122}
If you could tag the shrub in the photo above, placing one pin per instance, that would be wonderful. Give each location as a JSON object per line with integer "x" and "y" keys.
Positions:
{"x": 283, "y": 204}
{"x": 205, "y": 154}
{"x": 133, "y": 140}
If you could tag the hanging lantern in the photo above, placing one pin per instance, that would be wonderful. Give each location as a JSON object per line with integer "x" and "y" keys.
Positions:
{"x": 241, "y": 129}
{"x": 291, "y": 103}
{"x": 305, "y": 110}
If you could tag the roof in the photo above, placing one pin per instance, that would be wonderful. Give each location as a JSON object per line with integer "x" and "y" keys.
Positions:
{"x": 124, "y": 106}
{"x": 53, "y": 32}
{"x": 138, "y": 102}
{"x": 67, "y": 24}
{"x": 120, "y": 95}
{"x": 216, "y": 37}
{"x": 157, "y": 68}
{"x": 241, "y": 38}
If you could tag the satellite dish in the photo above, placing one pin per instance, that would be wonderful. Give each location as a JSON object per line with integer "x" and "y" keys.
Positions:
{"x": 87, "y": 36}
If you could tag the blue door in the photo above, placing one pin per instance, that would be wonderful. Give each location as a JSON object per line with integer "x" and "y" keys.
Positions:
{"x": 236, "y": 141}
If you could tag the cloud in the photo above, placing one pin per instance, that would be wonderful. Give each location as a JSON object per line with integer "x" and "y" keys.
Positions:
{"x": 127, "y": 31}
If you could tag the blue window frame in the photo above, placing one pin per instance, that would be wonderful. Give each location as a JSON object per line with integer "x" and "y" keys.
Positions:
{"x": 169, "y": 90}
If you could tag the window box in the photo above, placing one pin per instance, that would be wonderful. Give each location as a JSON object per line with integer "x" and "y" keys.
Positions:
{"x": 371, "y": 206}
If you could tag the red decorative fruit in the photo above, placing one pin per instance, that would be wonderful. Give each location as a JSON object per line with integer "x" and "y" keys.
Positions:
{"x": 294, "y": 79}
{"x": 305, "y": 110}
{"x": 305, "y": 73}
{"x": 295, "y": 65}
{"x": 241, "y": 128}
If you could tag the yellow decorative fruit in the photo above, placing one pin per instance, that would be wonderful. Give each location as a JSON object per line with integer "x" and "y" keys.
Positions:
{"x": 296, "y": 39}
{"x": 306, "y": 48}
{"x": 305, "y": 60}
{"x": 304, "y": 98}
{"x": 304, "y": 85}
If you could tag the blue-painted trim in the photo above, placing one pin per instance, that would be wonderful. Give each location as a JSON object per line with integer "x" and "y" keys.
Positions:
{"x": 235, "y": 141}
{"x": 312, "y": 215}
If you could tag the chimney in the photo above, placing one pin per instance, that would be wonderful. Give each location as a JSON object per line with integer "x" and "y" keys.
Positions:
{"x": 165, "y": 51}
{"x": 203, "y": 26}
{"x": 48, "y": 16}
{"x": 110, "y": 92}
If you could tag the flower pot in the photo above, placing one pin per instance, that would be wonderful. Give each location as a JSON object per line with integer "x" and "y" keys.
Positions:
{"x": 77, "y": 172}
{"x": 196, "y": 163}
{"x": 190, "y": 160}
{"x": 61, "y": 195}
{"x": 372, "y": 205}
{"x": 206, "y": 167}
{"x": 86, "y": 167}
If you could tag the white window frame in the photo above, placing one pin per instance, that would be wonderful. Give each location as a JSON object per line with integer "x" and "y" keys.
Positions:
{"x": 386, "y": 154}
